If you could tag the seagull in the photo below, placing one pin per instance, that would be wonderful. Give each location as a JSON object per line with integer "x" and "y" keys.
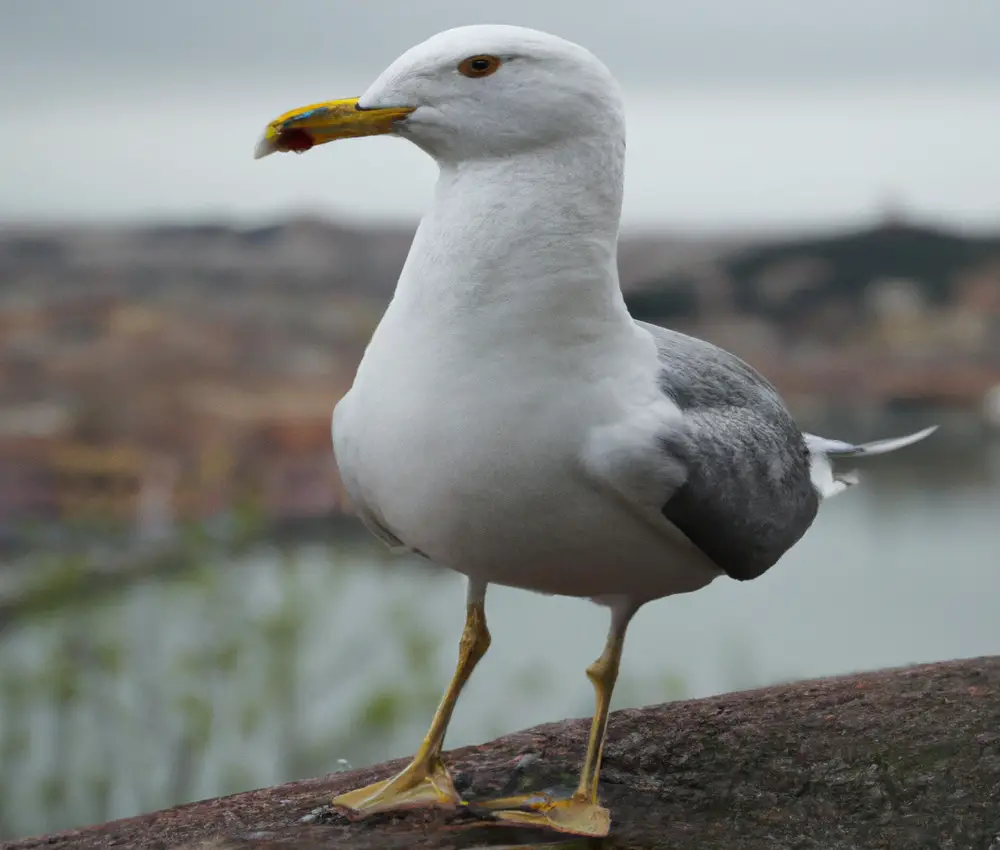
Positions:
{"x": 509, "y": 419}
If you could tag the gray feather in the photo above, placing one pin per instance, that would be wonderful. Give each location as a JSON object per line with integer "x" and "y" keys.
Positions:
{"x": 748, "y": 496}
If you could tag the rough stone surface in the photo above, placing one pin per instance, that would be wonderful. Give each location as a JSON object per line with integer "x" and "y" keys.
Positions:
{"x": 895, "y": 759}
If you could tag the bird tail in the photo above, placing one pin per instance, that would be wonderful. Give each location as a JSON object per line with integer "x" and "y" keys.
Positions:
{"x": 823, "y": 450}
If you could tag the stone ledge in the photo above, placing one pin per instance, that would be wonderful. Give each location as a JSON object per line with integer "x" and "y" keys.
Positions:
{"x": 890, "y": 759}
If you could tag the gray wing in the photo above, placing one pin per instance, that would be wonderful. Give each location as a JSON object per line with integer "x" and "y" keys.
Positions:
{"x": 747, "y": 496}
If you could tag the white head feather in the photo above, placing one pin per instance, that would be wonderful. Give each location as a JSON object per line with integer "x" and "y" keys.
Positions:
{"x": 545, "y": 90}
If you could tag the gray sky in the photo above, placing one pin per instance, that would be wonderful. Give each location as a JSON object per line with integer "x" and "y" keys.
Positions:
{"x": 741, "y": 112}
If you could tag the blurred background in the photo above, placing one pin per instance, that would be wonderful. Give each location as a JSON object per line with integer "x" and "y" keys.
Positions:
{"x": 187, "y": 607}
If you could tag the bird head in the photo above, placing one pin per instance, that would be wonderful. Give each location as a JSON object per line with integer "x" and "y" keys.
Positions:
{"x": 470, "y": 92}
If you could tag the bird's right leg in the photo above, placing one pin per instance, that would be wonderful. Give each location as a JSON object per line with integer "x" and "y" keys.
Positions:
{"x": 425, "y": 780}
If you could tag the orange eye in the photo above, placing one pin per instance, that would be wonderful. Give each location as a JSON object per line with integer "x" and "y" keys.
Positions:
{"x": 479, "y": 66}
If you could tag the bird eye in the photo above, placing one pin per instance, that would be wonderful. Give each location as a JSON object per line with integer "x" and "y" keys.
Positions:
{"x": 479, "y": 66}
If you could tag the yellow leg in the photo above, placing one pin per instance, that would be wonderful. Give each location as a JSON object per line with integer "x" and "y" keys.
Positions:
{"x": 581, "y": 813}
{"x": 425, "y": 780}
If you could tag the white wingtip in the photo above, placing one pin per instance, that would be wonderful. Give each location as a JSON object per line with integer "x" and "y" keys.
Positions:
{"x": 880, "y": 447}
{"x": 821, "y": 450}
{"x": 840, "y": 449}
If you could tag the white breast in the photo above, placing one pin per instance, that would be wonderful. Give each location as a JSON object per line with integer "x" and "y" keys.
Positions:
{"x": 480, "y": 467}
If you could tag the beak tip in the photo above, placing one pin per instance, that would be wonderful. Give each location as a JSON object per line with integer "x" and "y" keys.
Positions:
{"x": 264, "y": 147}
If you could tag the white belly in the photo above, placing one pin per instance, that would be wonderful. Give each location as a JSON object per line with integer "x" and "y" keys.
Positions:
{"x": 482, "y": 474}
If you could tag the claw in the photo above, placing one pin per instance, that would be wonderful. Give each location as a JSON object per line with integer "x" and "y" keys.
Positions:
{"x": 412, "y": 787}
{"x": 573, "y": 815}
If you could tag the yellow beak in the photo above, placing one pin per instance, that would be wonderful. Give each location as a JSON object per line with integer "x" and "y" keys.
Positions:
{"x": 320, "y": 123}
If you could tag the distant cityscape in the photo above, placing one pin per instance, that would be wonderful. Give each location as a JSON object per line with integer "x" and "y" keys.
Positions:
{"x": 155, "y": 375}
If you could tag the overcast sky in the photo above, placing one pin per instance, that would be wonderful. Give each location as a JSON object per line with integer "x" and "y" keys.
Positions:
{"x": 745, "y": 113}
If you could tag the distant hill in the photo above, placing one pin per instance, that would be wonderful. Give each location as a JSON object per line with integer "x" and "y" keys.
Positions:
{"x": 784, "y": 280}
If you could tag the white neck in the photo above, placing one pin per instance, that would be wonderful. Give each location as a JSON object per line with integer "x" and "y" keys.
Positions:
{"x": 529, "y": 239}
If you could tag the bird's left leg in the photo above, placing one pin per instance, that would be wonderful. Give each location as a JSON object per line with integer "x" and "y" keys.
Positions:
{"x": 425, "y": 780}
{"x": 581, "y": 813}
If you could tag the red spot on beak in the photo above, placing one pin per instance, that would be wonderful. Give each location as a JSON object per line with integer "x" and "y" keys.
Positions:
{"x": 294, "y": 140}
